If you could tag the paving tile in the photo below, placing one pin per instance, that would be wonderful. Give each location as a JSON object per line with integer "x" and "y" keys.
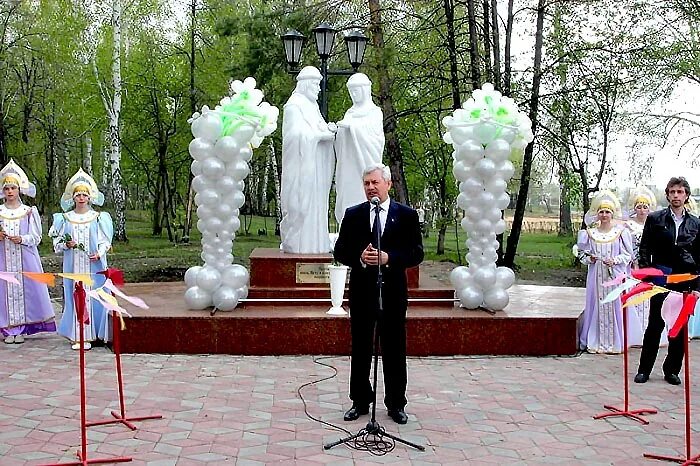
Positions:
{"x": 221, "y": 409}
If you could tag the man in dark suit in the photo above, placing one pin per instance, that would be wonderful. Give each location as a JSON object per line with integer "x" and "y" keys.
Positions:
{"x": 401, "y": 247}
{"x": 670, "y": 242}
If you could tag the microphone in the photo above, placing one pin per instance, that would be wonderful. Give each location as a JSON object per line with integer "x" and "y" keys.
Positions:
{"x": 374, "y": 201}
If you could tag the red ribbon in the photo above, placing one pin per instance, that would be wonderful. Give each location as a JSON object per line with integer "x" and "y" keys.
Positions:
{"x": 689, "y": 301}
{"x": 114, "y": 274}
{"x": 79, "y": 297}
{"x": 641, "y": 274}
{"x": 638, "y": 288}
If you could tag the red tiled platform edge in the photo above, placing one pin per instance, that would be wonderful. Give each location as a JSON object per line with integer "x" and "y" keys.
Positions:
{"x": 538, "y": 321}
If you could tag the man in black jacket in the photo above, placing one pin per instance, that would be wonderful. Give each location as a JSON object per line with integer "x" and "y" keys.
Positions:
{"x": 670, "y": 242}
{"x": 401, "y": 248}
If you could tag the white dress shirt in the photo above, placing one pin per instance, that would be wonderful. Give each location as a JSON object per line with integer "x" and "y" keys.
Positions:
{"x": 383, "y": 211}
{"x": 677, "y": 220}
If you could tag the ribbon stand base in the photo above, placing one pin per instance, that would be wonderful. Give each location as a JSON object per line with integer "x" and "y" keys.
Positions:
{"x": 79, "y": 296}
{"x": 626, "y": 411}
{"x": 120, "y": 417}
{"x": 688, "y": 460}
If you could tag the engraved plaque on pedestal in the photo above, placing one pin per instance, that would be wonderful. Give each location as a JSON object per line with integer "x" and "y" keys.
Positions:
{"x": 310, "y": 272}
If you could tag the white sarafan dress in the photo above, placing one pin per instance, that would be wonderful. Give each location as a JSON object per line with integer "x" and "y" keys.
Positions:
{"x": 601, "y": 331}
{"x": 25, "y": 307}
{"x": 94, "y": 231}
{"x": 635, "y": 335}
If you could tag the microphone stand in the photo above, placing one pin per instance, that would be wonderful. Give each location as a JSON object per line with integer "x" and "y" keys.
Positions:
{"x": 373, "y": 428}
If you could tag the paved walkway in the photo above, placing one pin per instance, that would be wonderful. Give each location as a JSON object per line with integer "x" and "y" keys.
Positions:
{"x": 246, "y": 410}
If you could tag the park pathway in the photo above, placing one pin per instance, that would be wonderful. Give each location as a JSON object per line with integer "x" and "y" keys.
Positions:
{"x": 238, "y": 410}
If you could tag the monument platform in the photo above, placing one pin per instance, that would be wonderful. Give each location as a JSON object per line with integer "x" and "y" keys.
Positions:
{"x": 300, "y": 278}
{"x": 540, "y": 320}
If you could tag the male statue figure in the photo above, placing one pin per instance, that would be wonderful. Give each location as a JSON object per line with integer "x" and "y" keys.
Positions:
{"x": 307, "y": 169}
{"x": 359, "y": 144}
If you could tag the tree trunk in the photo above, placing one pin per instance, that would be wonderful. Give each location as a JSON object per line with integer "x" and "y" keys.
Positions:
{"x": 473, "y": 46}
{"x": 113, "y": 134}
{"x": 565, "y": 225}
{"x": 3, "y": 139}
{"x": 487, "y": 42}
{"x": 586, "y": 192}
{"x": 562, "y": 157}
{"x": 393, "y": 148}
{"x": 160, "y": 194}
{"x": 31, "y": 77}
{"x": 87, "y": 160}
{"x": 441, "y": 238}
{"x": 506, "y": 56}
{"x": 516, "y": 228}
{"x": 253, "y": 187}
{"x": 50, "y": 160}
{"x": 263, "y": 196}
{"x": 64, "y": 161}
{"x": 452, "y": 51}
{"x": 496, "y": 46}
{"x": 106, "y": 176}
{"x": 276, "y": 180}
{"x": 193, "y": 108}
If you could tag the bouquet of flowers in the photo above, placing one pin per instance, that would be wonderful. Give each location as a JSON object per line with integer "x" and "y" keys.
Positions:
{"x": 66, "y": 238}
{"x": 580, "y": 255}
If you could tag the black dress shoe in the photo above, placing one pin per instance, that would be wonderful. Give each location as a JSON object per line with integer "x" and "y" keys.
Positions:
{"x": 398, "y": 415}
{"x": 641, "y": 378}
{"x": 355, "y": 412}
{"x": 673, "y": 379}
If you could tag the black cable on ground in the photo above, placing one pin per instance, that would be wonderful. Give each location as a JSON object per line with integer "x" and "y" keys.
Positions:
{"x": 317, "y": 360}
{"x": 372, "y": 442}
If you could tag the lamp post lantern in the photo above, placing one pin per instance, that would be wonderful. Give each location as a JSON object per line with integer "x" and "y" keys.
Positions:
{"x": 356, "y": 43}
{"x": 293, "y": 42}
{"x": 324, "y": 37}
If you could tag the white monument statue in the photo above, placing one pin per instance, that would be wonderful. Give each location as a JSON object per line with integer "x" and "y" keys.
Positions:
{"x": 359, "y": 143}
{"x": 307, "y": 168}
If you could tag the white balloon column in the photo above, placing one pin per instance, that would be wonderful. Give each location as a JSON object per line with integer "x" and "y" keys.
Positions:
{"x": 221, "y": 149}
{"x": 486, "y": 132}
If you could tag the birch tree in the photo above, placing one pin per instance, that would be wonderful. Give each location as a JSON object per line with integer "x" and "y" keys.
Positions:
{"x": 112, "y": 100}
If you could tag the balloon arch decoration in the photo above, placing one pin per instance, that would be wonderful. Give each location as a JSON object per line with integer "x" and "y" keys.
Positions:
{"x": 224, "y": 139}
{"x": 487, "y": 133}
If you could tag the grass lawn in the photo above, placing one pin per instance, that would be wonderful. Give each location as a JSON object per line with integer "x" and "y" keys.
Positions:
{"x": 542, "y": 258}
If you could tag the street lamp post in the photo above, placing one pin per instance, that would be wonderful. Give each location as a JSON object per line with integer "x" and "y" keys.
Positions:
{"x": 324, "y": 37}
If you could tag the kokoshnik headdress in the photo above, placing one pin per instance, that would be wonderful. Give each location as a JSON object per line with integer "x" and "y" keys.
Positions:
{"x": 604, "y": 199}
{"x": 641, "y": 195}
{"x": 81, "y": 183}
{"x": 13, "y": 175}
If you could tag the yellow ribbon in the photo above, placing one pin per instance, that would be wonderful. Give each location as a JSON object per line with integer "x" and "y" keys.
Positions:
{"x": 107, "y": 297}
{"x": 86, "y": 278}
{"x": 641, "y": 297}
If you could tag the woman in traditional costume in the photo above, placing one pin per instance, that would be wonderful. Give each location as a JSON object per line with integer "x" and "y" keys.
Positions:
{"x": 641, "y": 201}
{"x": 83, "y": 236}
{"x": 25, "y": 308}
{"x": 606, "y": 247}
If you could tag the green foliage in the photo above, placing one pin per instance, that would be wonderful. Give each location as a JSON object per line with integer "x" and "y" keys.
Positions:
{"x": 149, "y": 258}
{"x": 599, "y": 57}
